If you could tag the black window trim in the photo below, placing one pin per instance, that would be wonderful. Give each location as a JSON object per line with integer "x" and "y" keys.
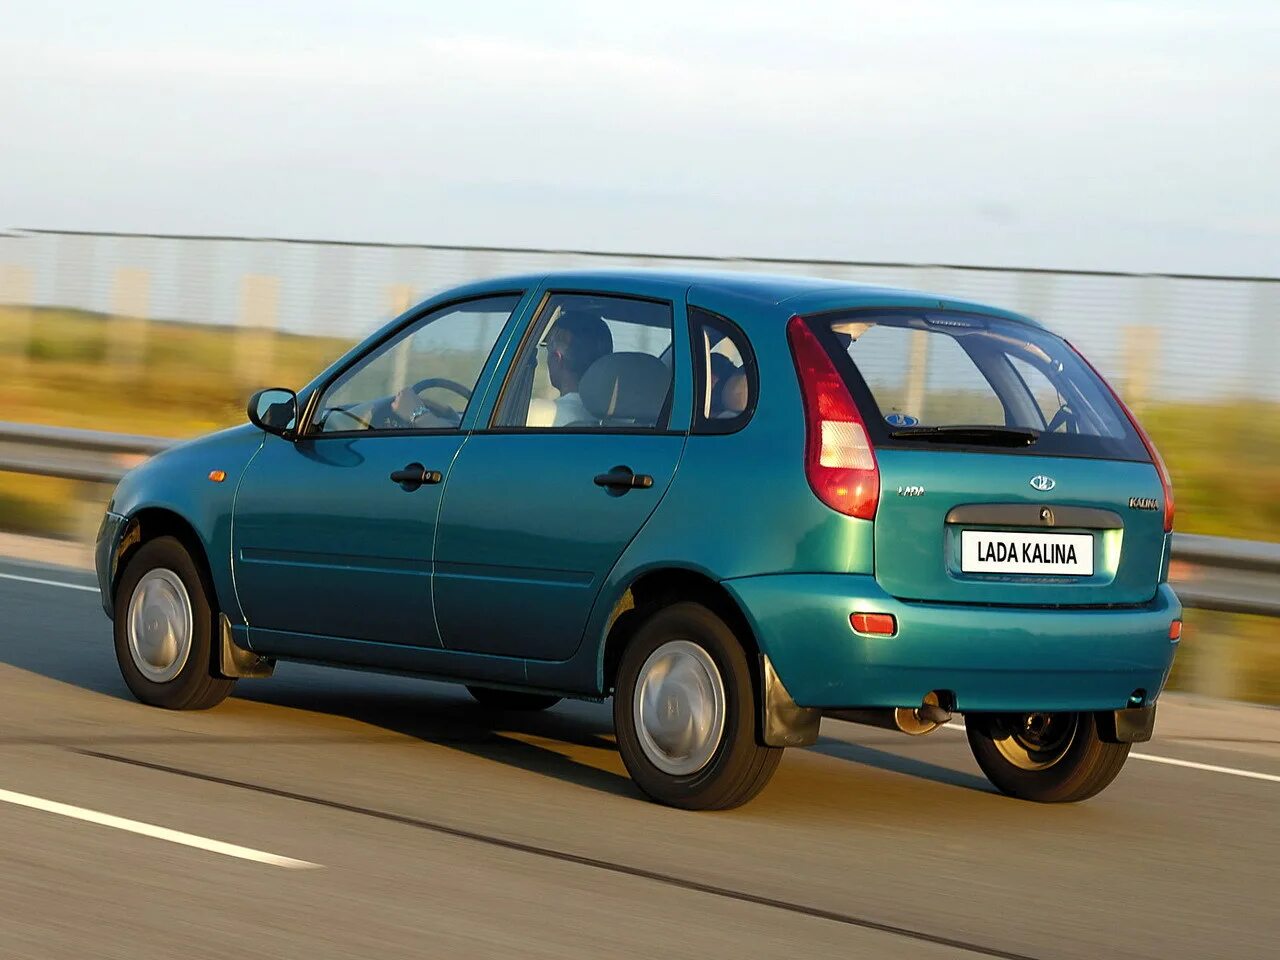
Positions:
{"x": 661, "y": 429}
{"x": 701, "y": 425}
{"x": 313, "y": 401}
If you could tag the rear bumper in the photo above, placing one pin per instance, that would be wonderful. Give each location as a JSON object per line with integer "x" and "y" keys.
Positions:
{"x": 104, "y": 555}
{"x": 991, "y": 658}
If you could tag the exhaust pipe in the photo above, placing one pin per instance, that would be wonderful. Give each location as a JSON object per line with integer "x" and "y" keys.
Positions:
{"x": 913, "y": 721}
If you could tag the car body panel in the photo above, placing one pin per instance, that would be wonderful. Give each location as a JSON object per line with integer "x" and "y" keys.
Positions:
{"x": 177, "y": 481}
{"x": 526, "y": 537}
{"x": 327, "y": 544}
{"x": 992, "y": 659}
{"x": 918, "y": 551}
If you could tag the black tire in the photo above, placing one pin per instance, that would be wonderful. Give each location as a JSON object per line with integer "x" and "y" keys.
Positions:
{"x": 196, "y": 686}
{"x": 1076, "y": 771}
{"x": 497, "y": 699}
{"x": 740, "y": 767}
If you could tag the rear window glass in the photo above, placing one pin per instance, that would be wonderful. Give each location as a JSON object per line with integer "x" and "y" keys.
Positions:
{"x": 971, "y": 380}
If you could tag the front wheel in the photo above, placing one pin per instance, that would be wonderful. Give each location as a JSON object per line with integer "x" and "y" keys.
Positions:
{"x": 164, "y": 630}
{"x": 1045, "y": 757}
{"x": 685, "y": 715}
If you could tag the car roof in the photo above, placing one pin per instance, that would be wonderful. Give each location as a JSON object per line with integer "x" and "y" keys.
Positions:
{"x": 797, "y": 293}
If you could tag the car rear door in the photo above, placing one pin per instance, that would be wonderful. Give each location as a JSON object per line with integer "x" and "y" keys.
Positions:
{"x": 542, "y": 501}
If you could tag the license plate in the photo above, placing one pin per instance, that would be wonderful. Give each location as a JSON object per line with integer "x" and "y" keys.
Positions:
{"x": 991, "y": 551}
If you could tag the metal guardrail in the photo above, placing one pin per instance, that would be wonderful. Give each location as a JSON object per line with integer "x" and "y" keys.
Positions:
{"x": 89, "y": 455}
{"x": 1209, "y": 573}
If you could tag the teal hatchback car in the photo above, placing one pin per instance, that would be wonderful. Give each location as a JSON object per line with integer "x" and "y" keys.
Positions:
{"x": 732, "y": 503}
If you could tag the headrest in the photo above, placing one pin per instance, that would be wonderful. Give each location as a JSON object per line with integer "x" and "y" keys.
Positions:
{"x": 625, "y": 386}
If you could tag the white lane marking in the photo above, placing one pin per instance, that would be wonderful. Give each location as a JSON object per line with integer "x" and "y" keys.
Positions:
{"x": 957, "y": 726}
{"x": 1232, "y": 771}
{"x": 47, "y": 583}
{"x": 150, "y": 830}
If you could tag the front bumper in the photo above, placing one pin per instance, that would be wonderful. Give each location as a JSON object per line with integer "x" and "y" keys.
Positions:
{"x": 991, "y": 658}
{"x": 105, "y": 551}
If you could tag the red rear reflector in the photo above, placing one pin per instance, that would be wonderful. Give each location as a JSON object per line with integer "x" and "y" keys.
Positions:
{"x": 1175, "y": 630}
{"x": 879, "y": 624}
{"x": 839, "y": 460}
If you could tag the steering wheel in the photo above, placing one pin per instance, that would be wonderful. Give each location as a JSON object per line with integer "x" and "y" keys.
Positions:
{"x": 441, "y": 409}
{"x": 451, "y": 385}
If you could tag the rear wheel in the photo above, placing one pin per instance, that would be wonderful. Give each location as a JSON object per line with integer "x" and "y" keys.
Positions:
{"x": 164, "y": 630}
{"x": 1046, "y": 757}
{"x": 497, "y": 699}
{"x": 685, "y": 714}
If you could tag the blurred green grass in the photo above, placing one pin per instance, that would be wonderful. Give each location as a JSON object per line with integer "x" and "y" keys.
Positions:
{"x": 58, "y": 367}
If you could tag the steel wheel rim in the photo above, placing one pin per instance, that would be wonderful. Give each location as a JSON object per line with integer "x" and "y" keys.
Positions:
{"x": 679, "y": 708}
{"x": 159, "y": 625}
{"x": 1036, "y": 741}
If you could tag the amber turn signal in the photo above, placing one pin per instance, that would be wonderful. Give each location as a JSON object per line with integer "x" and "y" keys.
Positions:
{"x": 878, "y": 624}
{"x": 1175, "y": 630}
{"x": 217, "y": 476}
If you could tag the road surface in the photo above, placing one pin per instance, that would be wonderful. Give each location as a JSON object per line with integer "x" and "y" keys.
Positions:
{"x": 328, "y": 813}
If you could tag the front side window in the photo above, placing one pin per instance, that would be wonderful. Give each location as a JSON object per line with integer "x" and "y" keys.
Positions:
{"x": 967, "y": 379}
{"x": 724, "y": 374}
{"x": 421, "y": 379}
{"x": 591, "y": 362}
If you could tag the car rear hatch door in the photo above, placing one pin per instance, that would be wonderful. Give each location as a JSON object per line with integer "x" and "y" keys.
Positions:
{"x": 1009, "y": 472}
{"x": 965, "y": 527}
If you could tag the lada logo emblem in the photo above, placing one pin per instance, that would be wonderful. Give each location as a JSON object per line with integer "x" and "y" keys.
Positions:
{"x": 1042, "y": 483}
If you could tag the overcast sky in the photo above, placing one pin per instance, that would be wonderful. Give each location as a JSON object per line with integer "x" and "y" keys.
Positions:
{"x": 1123, "y": 135}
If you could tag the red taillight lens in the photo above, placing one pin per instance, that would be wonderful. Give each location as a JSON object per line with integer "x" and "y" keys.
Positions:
{"x": 838, "y": 457}
{"x": 1175, "y": 630}
{"x": 1166, "y": 482}
{"x": 879, "y": 624}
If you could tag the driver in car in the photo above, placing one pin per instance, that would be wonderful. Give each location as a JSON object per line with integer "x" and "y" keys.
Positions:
{"x": 576, "y": 342}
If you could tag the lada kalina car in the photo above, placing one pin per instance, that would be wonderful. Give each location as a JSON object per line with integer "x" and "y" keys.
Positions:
{"x": 731, "y": 503}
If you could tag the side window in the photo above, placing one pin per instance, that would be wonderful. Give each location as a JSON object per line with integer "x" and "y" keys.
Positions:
{"x": 725, "y": 378}
{"x": 421, "y": 379}
{"x": 591, "y": 362}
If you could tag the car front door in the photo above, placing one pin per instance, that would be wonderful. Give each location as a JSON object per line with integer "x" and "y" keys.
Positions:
{"x": 577, "y": 454}
{"x": 332, "y": 532}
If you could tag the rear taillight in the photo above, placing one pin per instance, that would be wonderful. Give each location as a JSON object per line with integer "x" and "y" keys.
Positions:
{"x": 838, "y": 457}
{"x": 1166, "y": 482}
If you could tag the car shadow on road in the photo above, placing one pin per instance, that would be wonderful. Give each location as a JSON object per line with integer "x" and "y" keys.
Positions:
{"x": 571, "y": 742}
{"x": 897, "y": 763}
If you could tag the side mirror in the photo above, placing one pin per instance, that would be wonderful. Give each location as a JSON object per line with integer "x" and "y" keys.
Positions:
{"x": 274, "y": 410}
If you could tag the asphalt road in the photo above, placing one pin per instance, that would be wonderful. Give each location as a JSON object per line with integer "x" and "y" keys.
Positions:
{"x": 413, "y": 823}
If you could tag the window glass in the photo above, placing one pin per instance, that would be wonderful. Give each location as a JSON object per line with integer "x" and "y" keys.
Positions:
{"x": 932, "y": 376}
{"x": 927, "y": 377}
{"x": 421, "y": 379}
{"x": 725, "y": 374}
{"x": 591, "y": 362}
{"x": 1047, "y": 398}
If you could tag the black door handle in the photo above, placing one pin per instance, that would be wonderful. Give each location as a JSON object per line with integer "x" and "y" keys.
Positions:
{"x": 414, "y": 475}
{"x": 621, "y": 479}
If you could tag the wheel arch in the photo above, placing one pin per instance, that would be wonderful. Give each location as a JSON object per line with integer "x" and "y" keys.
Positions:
{"x": 663, "y": 585}
{"x": 152, "y": 522}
